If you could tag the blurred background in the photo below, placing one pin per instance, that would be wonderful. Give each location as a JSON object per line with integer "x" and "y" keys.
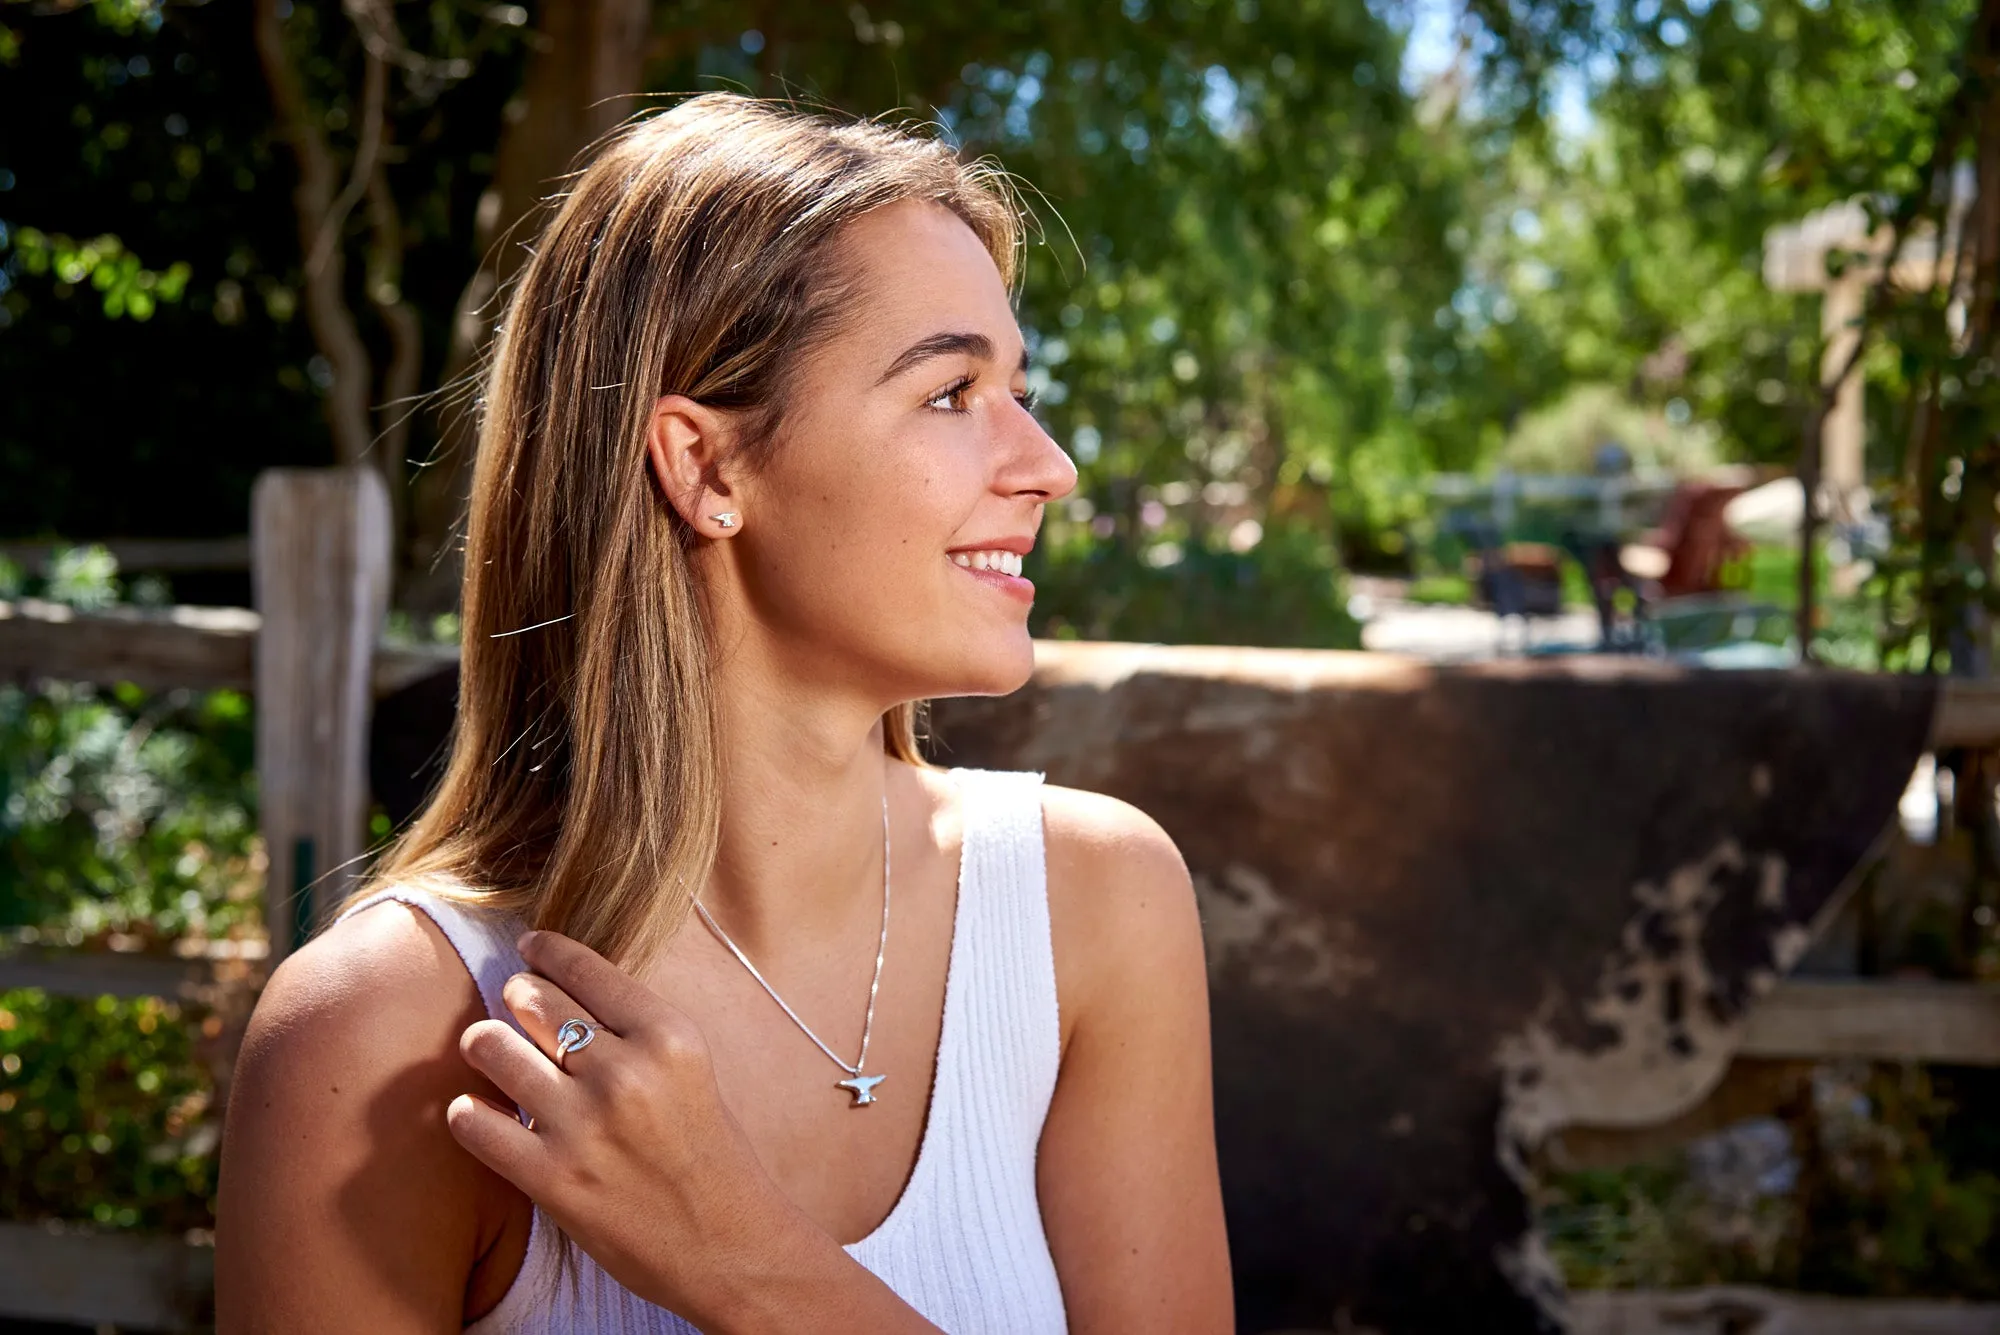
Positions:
{"x": 1524, "y": 332}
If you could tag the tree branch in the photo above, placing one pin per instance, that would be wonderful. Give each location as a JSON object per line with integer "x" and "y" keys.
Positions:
{"x": 374, "y": 93}
{"x": 331, "y": 322}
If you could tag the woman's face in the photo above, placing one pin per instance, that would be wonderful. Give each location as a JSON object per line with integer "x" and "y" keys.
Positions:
{"x": 907, "y": 461}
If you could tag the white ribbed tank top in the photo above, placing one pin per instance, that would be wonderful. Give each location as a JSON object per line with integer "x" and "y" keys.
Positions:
{"x": 963, "y": 1244}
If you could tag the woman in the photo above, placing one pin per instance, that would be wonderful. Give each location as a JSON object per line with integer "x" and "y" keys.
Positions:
{"x": 812, "y": 1035}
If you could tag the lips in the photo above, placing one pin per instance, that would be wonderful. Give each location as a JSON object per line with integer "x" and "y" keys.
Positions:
{"x": 991, "y": 568}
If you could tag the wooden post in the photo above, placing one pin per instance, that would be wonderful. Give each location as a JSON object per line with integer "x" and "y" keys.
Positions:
{"x": 1795, "y": 261}
{"x": 1833, "y": 460}
{"x": 1841, "y": 441}
{"x": 320, "y": 549}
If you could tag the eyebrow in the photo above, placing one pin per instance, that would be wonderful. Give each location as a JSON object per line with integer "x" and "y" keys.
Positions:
{"x": 943, "y": 345}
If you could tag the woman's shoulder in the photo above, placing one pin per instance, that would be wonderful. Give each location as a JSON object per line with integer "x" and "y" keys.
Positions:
{"x": 365, "y": 1016}
{"x": 362, "y": 1020}
{"x": 1121, "y": 902}
{"x": 387, "y": 970}
{"x": 1109, "y": 831}
{"x": 336, "y": 1115}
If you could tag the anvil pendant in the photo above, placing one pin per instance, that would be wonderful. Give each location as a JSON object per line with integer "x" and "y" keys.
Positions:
{"x": 862, "y": 1087}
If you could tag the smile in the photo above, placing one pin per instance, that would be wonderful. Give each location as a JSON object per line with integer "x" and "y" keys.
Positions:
{"x": 1007, "y": 563}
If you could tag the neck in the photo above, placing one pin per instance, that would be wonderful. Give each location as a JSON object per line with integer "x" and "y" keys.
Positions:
{"x": 803, "y": 779}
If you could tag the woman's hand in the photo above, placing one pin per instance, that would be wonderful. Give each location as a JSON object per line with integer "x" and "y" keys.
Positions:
{"x": 632, "y": 1150}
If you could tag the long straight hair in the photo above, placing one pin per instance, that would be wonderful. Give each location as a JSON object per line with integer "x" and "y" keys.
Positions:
{"x": 696, "y": 253}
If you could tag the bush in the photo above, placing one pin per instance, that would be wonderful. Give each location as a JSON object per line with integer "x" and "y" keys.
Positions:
{"x": 1286, "y": 591}
{"x": 105, "y": 1113}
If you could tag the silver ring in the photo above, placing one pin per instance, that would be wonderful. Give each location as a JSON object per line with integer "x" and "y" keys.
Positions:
{"x": 572, "y": 1035}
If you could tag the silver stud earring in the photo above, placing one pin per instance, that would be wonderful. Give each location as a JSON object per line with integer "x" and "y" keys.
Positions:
{"x": 727, "y": 519}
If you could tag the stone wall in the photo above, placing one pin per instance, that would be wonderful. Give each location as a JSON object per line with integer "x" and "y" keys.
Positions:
{"x": 1446, "y": 909}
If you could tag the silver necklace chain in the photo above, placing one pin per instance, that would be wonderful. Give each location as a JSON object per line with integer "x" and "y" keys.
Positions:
{"x": 881, "y": 948}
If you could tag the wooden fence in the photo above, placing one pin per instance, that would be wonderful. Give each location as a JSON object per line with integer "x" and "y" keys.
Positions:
{"x": 319, "y": 552}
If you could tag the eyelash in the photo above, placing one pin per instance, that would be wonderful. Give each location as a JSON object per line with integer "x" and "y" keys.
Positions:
{"x": 957, "y": 387}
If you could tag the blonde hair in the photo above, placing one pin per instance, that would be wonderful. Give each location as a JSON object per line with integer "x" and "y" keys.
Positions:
{"x": 696, "y": 253}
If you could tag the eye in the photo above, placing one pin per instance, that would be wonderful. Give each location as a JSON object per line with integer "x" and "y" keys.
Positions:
{"x": 951, "y": 399}
{"x": 1028, "y": 399}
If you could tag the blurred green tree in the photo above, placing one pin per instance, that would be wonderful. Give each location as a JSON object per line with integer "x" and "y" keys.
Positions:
{"x": 1246, "y": 274}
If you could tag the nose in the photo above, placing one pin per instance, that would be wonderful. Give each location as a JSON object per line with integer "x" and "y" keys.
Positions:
{"x": 1036, "y": 465}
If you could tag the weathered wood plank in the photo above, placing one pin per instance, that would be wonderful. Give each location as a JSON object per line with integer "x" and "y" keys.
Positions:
{"x": 321, "y": 545}
{"x": 142, "y": 554}
{"x": 157, "y": 648}
{"x": 1968, "y": 714}
{"x": 69, "y": 972}
{"x": 1878, "y": 1019}
{"x": 124, "y": 1280}
{"x": 74, "y": 973}
{"x": 202, "y": 648}
{"x": 1377, "y": 846}
{"x": 1800, "y": 1022}
{"x": 1750, "y": 1311}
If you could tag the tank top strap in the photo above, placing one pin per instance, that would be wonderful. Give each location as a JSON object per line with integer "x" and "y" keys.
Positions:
{"x": 1012, "y": 1037}
{"x": 483, "y": 938}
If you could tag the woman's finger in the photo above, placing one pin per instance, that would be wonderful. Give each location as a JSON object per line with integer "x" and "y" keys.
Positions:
{"x": 615, "y": 997}
{"x": 497, "y": 1139}
{"x": 543, "y": 1008}
{"x": 523, "y": 1073}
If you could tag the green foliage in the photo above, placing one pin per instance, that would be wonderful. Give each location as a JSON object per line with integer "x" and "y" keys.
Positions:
{"x": 122, "y": 809}
{"x": 1895, "y": 1210}
{"x": 1884, "y": 1192}
{"x": 128, "y": 287}
{"x": 105, "y": 1113}
{"x": 131, "y": 812}
{"x": 1636, "y": 247}
{"x": 150, "y": 123}
{"x": 1246, "y": 266}
{"x": 1632, "y": 251}
{"x": 1285, "y": 591}
{"x": 1564, "y": 436}
{"x": 128, "y": 811}
{"x": 1652, "y": 1227}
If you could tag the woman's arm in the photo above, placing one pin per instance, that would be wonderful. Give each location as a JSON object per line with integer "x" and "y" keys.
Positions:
{"x": 1127, "y": 1174}
{"x": 345, "y": 1205}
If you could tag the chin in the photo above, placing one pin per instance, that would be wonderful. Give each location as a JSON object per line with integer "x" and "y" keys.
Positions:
{"x": 999, "y": 667}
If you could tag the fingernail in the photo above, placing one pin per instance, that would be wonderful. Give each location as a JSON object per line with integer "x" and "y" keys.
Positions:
{"x": 522, "y": 942}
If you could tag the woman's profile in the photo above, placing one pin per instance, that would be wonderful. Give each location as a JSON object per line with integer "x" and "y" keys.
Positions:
{"x": 811, "y": 1034}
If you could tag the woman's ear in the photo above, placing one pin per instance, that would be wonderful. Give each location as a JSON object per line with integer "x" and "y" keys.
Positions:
{"x": 686, "y": 443}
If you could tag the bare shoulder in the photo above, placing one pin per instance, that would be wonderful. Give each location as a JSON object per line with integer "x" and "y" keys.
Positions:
{"x": 338, "y": 1172}
{"x": 378, "y": 994}
{"x": 1119, "y": 849}
{"x": 1121, "y": 903}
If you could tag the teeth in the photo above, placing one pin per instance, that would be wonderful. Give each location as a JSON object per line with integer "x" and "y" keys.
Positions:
{"x": 1006, "y": 562}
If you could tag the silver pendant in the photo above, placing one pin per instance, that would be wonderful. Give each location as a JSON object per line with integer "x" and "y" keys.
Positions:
{"x": 862, "y": 1087}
